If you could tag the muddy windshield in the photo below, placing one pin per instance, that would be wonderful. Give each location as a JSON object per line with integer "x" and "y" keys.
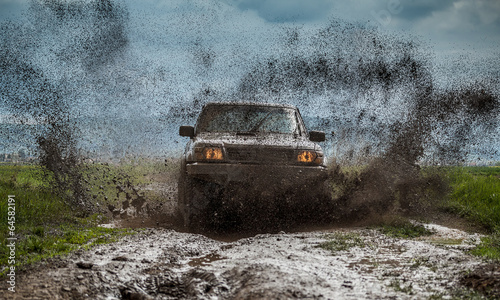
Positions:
{"x": 248, "y": 119}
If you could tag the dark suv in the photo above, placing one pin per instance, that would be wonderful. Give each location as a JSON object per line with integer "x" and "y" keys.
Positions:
{"x": 239, "y": 151}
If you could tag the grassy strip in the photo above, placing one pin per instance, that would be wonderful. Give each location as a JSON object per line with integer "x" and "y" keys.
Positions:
{"x": 403, "y": 228}
{"x": 45, "y": 226}
{"x": 342, "y": 242}
{"x": 35, "y": 245}
{"x": 489, "y": 247}
{"x": 476, "y": 196}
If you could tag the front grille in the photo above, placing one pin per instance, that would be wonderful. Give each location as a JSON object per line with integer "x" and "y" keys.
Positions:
{"x": 260, "y": 154}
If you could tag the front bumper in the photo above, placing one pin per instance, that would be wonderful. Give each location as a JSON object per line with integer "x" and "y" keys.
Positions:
{"x": 260, "y": 175}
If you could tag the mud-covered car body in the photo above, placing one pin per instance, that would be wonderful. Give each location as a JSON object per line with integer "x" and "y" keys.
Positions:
{"x": 257, "y": 148}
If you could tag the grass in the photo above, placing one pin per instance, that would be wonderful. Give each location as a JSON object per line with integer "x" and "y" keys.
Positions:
{"x": 489, "y": 247}
{"x": 35, "y": 204}
{"x": 45, "y": 225}
{"x": 403, "y": 228}
{"x": 469, "y": 192}
{"x": 476, "y": 196}
{"x": 473, "y": 193}
{"x": 342, "y": 242}
{"x": 399, "y": 287}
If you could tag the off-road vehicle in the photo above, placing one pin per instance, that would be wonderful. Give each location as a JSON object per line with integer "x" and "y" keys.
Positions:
{"x": 243, "y": 157}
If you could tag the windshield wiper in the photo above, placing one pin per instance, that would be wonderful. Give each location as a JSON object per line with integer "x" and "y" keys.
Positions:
{"x": 257, "y": 126}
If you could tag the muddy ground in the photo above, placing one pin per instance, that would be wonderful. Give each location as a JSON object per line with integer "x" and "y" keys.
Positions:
{"x": 162, "y": 261}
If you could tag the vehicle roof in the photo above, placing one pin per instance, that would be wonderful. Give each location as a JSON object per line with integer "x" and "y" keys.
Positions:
{"x": 250, "y": 104}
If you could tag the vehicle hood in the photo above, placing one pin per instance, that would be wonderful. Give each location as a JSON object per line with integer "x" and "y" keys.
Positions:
{"x": 259, "y": 140}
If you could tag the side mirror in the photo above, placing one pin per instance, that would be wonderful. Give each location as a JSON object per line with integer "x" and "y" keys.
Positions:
{"x": 186, "y": 131}
{"x": 317, "y": 136}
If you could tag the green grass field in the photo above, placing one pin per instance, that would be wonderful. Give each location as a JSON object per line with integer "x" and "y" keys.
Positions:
{"x": 475, "y": 195}
{"x": 45, "y": 226}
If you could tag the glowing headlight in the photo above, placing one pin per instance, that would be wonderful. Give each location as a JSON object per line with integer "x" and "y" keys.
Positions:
{"x": 212, "y": 153}
{"x": 209, "y": 153}
{"x": 310, "y": 157}
{"x": 306, "y": 156}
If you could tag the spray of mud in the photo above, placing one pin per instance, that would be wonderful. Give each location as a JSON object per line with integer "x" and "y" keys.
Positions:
{"x": 32, "y": 97}
{"x": 389, "y": 115}
{"x": 69, "y": 72}
{"x": 38, "y": 87}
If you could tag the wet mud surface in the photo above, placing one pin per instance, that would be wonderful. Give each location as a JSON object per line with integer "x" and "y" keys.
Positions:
{"x": 162, "y": 261}
{"x": 485, "y": 279}
{"x": 166, "y": 264}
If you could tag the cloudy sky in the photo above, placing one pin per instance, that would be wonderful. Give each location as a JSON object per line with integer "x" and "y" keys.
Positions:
{"x": 177, "y": 47}
{"x": 455, "y": 30}
{"x": 449, "y": 25}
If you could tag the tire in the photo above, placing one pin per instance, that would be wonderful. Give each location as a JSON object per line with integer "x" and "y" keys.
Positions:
{"x": 192, "y": 202}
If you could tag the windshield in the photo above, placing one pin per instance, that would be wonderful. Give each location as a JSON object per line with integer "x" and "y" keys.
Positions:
{"x": 247, "y": 119}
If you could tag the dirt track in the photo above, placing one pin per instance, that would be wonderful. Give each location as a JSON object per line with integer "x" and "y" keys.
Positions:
{"x": 166, "y": 264}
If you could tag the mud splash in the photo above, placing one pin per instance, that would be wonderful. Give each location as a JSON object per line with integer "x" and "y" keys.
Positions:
{"x": 375, "y": 90}
{"x": 42, "y": 92}
{"x": 390, "y": 115}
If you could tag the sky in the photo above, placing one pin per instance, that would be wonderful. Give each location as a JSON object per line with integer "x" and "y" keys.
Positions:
{"x": 451, "y": 27}
{"x": 448, "y": 25}
{"x": 177, "y": 48}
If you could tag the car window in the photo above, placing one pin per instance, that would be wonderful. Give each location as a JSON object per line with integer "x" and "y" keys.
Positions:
{"x": 240, "y": 118}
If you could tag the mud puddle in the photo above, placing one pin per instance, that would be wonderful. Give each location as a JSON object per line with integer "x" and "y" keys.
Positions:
{"x": 205, "y": 260}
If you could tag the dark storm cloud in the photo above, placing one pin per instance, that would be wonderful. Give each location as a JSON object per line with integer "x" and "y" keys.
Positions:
{"x": 453, "y": 16}
{"x": 412, "y": 10}
{"x": 297, "y": 10}
{"x": 288, "y": 10}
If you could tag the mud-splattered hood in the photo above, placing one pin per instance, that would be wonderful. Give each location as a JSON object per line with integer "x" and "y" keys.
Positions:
{"x": 285, "y": 141}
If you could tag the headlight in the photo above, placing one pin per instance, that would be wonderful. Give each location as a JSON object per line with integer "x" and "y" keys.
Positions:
{"x": 310, "y": 157}
{"x": 209, "y": 153}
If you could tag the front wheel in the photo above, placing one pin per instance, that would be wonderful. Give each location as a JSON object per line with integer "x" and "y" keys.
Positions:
{"x": 193, "y": 200}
